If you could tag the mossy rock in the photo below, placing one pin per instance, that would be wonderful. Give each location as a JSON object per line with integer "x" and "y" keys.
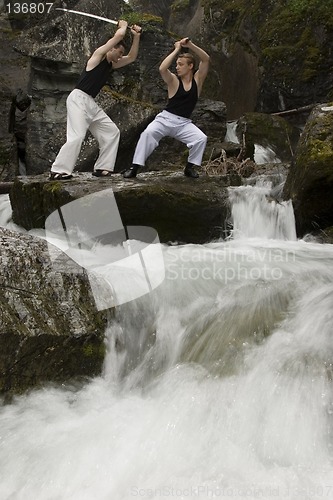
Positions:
{"x": 178, "y": 208}
{"x": 310, "y": 180}
{"x": 50, "y": 327}
{"x": 269, "y": 131}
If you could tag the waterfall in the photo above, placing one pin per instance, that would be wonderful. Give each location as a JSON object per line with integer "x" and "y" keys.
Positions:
{"x": 256, "y": 213}
{"x": 5, "y": 210}
{"x": 6, "y": 214}
{"x": 217, "y": 384}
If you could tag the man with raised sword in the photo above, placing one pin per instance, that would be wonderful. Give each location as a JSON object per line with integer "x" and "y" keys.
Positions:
{"x": 84, "y": 114}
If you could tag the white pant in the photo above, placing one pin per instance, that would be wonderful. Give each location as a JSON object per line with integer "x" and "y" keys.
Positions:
{"x": 84, "y": 114}
{"x": 168, "y": 124}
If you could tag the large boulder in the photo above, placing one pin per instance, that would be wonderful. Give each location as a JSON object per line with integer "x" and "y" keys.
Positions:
{"x": 178, "y": 208}
{"x": 47, "y": 130}
{"x": 58, "y": 50}
{"x": 266, "y": 56}
{"x": 310, "y": 180}
{"x": 270, "y": 132}
{"x": 50, "y": 328}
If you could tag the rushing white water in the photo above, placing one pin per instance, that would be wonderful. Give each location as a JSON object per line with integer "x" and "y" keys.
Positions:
{"x": 265, "y": 154}
{"x": 256, "y": 213}
{"x": 216, "y": 385}
{"x": 5, "y": 211}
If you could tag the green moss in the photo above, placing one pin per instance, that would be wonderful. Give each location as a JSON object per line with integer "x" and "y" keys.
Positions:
{"x": 148, "y": 22}
{"x": 296, "y": 21}
{"x": 94, "y": 351}
{"x": 53, "y": 187}
{"x": 179, "y": 5}
{"x": 302, "y": 7}
{"x": 321, "y": 151}
{"x": 126, "y": 99}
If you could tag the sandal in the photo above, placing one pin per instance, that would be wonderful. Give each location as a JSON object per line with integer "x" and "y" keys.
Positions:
{"x": 59, "y": 177}
{"x": 103, "y": 173}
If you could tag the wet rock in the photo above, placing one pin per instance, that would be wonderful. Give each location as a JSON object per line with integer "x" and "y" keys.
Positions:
{"x": 310, "y": 180}
{"x": 50, "y": 329}
{"x": 268, "y": 131}
{"x": 178, "y": 208}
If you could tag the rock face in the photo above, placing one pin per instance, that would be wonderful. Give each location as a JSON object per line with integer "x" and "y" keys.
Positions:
{"x": 252, "y": 50}
{"x": 178, "y": 208}
{"x": 269, "y": 131}
{"x": 50, "y": 329}
{"x": 47, "y": 131}
{"x": 310, "y": 180}
{"x": 58, "y": 51}
{"x": 266, "y": 56}
{"x": 14, "y": 75}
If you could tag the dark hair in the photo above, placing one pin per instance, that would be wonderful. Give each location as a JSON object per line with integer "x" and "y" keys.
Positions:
{"x": 107, "y": 37}
{"x": 120, "y": 44}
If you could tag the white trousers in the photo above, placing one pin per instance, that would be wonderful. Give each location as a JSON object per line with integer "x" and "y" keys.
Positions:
{"x": 167, "y": 124}
{"x": 84, "y": 114}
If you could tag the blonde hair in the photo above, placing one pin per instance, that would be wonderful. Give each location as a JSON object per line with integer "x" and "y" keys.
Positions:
{"x": 190, "y": 59}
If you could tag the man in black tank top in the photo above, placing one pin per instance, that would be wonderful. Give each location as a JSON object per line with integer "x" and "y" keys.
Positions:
{"x": 183, "y": 92}
{"x": 84, "y": 114}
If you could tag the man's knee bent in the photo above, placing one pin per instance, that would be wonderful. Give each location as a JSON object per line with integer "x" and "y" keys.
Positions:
{"x": 199, "y": 141}
{"x": 203, "y": 139}
{"x": 117, "y": 133}
{"x": 113, "y": 129}
{"x": 148, "y": 137}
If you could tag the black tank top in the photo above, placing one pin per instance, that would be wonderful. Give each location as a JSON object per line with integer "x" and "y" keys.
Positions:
{"x": 183, "y": 102}
{"x": 92, "y": 81}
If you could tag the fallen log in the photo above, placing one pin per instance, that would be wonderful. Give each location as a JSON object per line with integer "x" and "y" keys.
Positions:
{"x": 5, "y": 187}
{"x": 295, "y": 111}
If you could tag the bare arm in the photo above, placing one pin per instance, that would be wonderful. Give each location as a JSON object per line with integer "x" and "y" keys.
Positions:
{"x": 133, "y": 52}
{"x": 204, "y": 59}
{"x": 170, "y": 78}
{"x": 101, "y": 52}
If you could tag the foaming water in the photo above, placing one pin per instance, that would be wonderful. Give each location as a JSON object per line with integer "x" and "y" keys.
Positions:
{"x": 216, "y": 385}
{"x": 256, "y": 214}
{"x": 5, "y": 210}
{"x": 264, "y": 154}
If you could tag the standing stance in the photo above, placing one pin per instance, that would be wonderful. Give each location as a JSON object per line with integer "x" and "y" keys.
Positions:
{"x": 174, "y": 121}
{"x": 84, "y": 114}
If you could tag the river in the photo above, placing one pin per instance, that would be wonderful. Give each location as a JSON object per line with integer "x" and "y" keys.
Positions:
{"x": 217, "y": 384}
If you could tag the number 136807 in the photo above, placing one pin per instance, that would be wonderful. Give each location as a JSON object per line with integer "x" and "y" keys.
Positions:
{"x": 29, "y": 8}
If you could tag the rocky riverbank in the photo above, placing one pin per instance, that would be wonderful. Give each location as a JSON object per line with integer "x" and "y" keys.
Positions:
{"x": 178, "y": 208}
{"x": 50, "y": 328}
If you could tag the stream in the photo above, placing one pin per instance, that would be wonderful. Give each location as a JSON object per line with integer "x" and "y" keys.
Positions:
{"x": 216, "y": 384}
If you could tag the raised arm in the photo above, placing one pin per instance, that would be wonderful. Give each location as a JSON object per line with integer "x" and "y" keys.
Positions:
{"x": 134, "y": 50}
{"x": 101, "y": 51}
{"x": 204, "y": 59}
{"x": 170, "y": 78}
